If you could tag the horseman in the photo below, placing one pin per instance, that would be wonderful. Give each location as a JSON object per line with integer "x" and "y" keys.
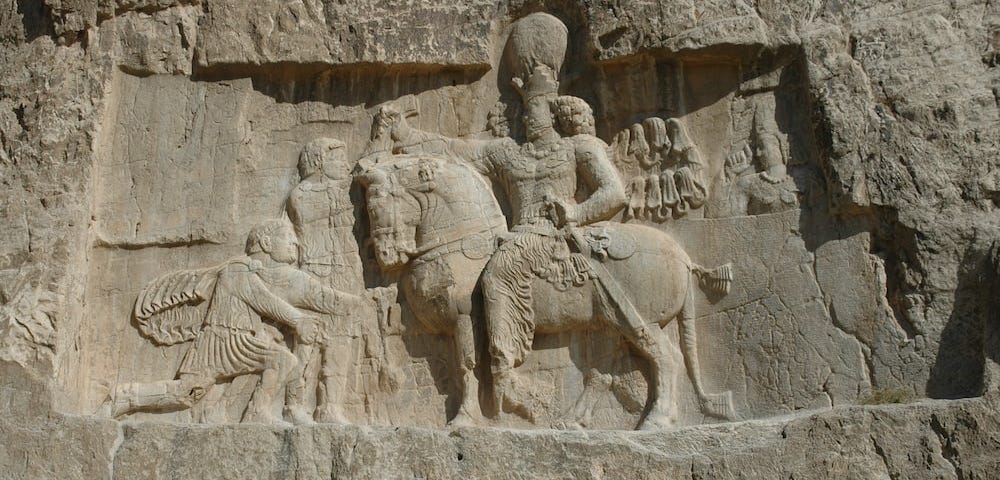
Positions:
{"x": 541, "y": 179}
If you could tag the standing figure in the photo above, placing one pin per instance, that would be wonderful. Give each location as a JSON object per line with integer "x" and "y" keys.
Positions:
{"x": 756, "y": 177}
{"x": 230, "y": 338}
{"x": 323, "y": 215}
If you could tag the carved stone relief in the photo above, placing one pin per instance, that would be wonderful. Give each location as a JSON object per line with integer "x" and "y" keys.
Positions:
{"x": 668, "y": 179}
{"x": 516, "y": 248}
{"x": 756, "y": 179}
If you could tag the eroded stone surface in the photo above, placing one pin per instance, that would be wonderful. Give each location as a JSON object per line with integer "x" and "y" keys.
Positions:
{"x": 840, "y": 157}
{"x": 936, "y": 439}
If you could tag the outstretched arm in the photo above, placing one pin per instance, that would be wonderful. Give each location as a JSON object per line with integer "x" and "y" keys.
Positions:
{"x": 268, "y": 303}
{"x": 405, "y": 139}
{"x": 304, "y": 291}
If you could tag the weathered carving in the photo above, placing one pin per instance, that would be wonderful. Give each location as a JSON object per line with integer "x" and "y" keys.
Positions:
{"x": 667, "y": 170}
{"x": 221, "y": 310}
{"x": 550, "y": 247}
{"x": 514, "y": 241}
{"x": 439, "y": 222}
{"x": 756, "y": 179}
{"x": 446, "y": 253}
{"x": 321, "y": 211}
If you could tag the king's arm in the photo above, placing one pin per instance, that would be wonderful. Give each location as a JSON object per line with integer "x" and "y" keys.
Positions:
{"x": 595, "y": 169}
{"x": 479, "y": 154}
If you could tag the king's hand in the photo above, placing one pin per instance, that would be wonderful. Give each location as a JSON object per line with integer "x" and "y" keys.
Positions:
{"x": 562, "y": 213}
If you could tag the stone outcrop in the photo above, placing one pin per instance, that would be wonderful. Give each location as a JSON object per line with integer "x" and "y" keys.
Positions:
{"x": 744, "y": 211}
{"x": 931, "y": 439}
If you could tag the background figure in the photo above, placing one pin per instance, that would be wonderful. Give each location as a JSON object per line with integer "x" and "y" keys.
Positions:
{"x": 323, "y": 215}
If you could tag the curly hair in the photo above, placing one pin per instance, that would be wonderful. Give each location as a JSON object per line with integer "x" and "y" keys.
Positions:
{"x": 573, "y": 115}
{"x": 266, "y": 229}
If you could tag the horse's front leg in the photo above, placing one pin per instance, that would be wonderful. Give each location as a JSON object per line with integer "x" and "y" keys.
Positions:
{"x": 465, "y": 349}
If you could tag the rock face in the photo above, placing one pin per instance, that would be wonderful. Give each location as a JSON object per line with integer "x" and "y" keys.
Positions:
{"x": 700, "y": 219}
{"x": 932, "y": 439}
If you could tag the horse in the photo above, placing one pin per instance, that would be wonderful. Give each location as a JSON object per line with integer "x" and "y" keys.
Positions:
{"x": 437, "y": 220}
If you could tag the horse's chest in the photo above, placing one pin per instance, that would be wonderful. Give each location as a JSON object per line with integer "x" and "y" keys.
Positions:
{"x": 439, "y": 290}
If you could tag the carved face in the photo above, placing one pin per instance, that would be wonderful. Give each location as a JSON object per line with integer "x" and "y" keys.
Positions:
{"x": 575, "y": 119}
{"x": 391, "y": 217}
{"x": 317, "y": 153}
{"x": 284, "y": 246}
{"x": 537, "y": 119}
{"x": 336, "y": 166}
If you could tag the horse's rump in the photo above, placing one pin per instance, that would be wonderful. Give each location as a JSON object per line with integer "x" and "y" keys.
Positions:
{"x": 656, "y": 275}
{"x": 635, "y": 267}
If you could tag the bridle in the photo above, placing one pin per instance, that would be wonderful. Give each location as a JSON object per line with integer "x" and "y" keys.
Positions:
{"x": 439, "y": 245}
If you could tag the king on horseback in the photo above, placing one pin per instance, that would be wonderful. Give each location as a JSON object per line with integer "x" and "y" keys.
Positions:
{"x": 540, "y": 178}
{"x": 559, "y": 183}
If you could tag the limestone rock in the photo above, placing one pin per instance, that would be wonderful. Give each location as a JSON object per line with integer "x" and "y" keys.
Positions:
{"x": 727, "y": 222}
{"x": 933, "y": 439}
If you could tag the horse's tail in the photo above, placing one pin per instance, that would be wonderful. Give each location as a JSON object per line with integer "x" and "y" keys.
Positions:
{"x": 717, "y": 280}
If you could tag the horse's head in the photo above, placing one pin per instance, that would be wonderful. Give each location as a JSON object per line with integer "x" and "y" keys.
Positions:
{"x": 420, "y": 202}
{"x": 392, "y": 215}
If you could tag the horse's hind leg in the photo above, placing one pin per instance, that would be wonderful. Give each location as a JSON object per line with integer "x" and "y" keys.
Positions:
{"x": 664, "y": 371}
{"x": 715, "y": 404}
{"x": 465, "y": 349}
{"x": 651, "y": 343}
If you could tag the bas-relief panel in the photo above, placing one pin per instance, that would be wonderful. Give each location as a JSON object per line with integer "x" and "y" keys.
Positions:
{"x": 489, "y": 252}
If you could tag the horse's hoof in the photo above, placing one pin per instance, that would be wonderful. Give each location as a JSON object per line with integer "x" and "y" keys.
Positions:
{"x": 657, "y": 422}
{"x": 720, "y": 405}
{"x": 267, "y": 419}
{"x": 521, "y": 409}
{"x": 330, "y": 414}
{"x": 299, "y": 416}
{"x": 568, "y": 425}
{"x": 522, "y": 397}
{"x": 462, "y": 419}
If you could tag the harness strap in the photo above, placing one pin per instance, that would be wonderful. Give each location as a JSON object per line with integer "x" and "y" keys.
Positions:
{"x": 425, "y": 254}
{"x": 613, "y": 296}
